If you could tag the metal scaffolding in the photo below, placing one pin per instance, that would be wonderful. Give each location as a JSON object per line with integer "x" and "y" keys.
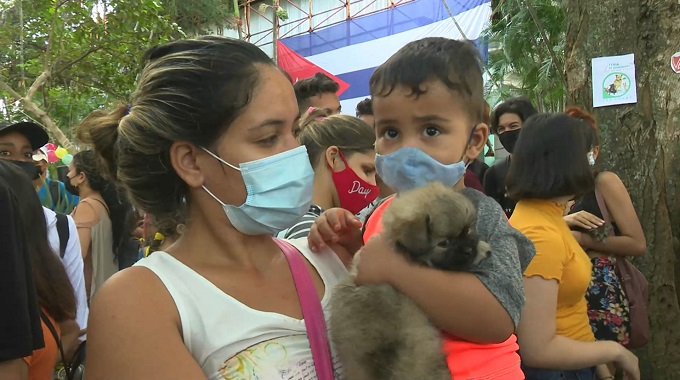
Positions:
{"x": 304, "y": 16}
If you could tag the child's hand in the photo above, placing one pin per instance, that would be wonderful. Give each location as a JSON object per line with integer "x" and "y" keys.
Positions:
{"x": 335, "y": 225}
{"x": 379, "y": 262}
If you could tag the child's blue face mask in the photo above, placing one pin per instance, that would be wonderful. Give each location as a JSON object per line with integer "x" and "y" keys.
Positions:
{"x": 410, "y": 168}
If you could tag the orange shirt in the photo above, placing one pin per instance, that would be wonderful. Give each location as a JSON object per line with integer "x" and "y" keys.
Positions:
{"x": 466, "y": 360}
{"x": 558, "y": 257}
{"x": 41, "y": 362}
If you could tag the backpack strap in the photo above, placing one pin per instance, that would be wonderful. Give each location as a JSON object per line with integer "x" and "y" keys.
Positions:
{"x": 54, "y": 193}
{"x": 63, "y": 231}
{"x": 603, "y": 208}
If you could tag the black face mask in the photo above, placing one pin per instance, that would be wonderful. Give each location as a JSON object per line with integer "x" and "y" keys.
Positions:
{"x": 70, "y": 188}
{"x": 29, "y": 168}
{"x": 509, "y": 139}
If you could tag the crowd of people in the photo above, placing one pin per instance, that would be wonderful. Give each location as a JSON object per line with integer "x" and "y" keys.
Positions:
{"x": 179, "y": 209}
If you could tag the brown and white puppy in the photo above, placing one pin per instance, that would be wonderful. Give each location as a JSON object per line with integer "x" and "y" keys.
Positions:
{"x": 380, "y": 334}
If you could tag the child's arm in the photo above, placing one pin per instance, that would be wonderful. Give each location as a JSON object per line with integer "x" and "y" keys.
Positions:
{"x": 337, "y": 228}
{"x": 456, "y": 302}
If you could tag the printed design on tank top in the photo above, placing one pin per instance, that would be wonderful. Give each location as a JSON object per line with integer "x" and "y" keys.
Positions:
{"x": 284, "y": 358}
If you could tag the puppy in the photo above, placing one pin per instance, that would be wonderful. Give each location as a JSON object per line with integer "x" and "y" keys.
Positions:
{"x": 379, "y": 333}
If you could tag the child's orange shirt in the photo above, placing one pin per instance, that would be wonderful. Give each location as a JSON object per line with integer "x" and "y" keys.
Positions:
{"x": 466, "y": 360}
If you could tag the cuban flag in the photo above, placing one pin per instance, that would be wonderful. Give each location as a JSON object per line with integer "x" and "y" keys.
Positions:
{"x": 350, "y": 51}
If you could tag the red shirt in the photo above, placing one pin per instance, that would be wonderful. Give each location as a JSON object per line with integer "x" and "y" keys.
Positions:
{"x": 467, "y": 360}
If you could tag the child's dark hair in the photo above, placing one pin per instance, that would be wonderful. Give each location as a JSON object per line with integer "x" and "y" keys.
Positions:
{"x": 306, "y": 88}
{"x": 455, "y": 63}
{"x": 550, "y": 159}
{"x": 519, "y": 106}
{"x": 365, "y": 107}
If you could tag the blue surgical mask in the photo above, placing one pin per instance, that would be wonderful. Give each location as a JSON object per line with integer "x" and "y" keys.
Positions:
{"x": 279, "y": 191}
{"x": 410, "y": 168}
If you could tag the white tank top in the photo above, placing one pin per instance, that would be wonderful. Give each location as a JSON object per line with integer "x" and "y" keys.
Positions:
{"x": 231, "y": 341}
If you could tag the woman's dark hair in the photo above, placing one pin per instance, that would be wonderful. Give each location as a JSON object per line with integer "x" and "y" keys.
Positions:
{"x": 521, "y": 107}
{"x": 120, "y": 210}
{"x": 55, "y": 293}
{"x": 188, "y": 90}
{"x": 550, "y": 159}
{"x": 350, "y": 134}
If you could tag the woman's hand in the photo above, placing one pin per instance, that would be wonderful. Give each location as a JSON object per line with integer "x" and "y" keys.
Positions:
{"x": 627, "y": 362}
{"x": 379, "y": 262}
{"x": 335, "y": 226}
{"x": 583, "y": 219}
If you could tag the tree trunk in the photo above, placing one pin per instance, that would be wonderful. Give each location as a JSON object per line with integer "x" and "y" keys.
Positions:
{"x": 640, "y": 143}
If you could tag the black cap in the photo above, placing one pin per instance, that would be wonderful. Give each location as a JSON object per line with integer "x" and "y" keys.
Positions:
{"x": 35, "y": 134}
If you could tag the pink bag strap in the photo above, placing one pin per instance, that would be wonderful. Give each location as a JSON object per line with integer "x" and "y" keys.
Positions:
{"x": 315, "y": 322}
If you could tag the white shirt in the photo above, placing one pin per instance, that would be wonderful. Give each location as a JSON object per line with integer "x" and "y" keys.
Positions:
{"x": 228, "y": 339}
{"x": 72, "y": 261}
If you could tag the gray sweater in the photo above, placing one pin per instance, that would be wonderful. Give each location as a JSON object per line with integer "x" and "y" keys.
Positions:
{"x": 511, "y": 253}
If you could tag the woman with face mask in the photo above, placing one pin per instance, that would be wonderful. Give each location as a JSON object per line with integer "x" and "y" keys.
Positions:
{"x": 341, "y": 150}
{"x": 101, "y": 217}
{"x": 208, "y": 141}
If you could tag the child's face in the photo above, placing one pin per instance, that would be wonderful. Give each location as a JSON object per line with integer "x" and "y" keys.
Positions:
{"x": 434, "y": 122}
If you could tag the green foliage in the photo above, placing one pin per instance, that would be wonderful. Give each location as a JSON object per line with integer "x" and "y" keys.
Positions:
{"x": 522, "y": 64}
{"x": 92, "y": 48}
{"x": 193, "y": 16}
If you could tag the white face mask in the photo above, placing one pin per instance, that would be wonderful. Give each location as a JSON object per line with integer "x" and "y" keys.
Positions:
{"x": 279, "y": 191}
{"x": 591, "y": 158}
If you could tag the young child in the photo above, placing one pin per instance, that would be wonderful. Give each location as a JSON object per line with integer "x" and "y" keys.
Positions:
{"x": 427, "y": 103}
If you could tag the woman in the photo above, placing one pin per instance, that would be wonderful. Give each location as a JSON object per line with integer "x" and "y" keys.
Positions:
{"x": 101, "y": 218}
{"x": 56, "y": 297}
{"x": 203, "y": 131}
{"x": 549, "y": 168}
{"x": 341, "y": 150}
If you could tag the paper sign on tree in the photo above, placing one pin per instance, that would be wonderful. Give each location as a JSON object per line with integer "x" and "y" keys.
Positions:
{"x": 614, "y": 80}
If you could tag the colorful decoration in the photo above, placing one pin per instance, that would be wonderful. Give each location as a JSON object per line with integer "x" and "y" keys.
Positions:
{"x": 60, "y": 152}
{"x": 50, "y": 146}
{"x": 52, "y": 157}
{"x": 67, "y": 159}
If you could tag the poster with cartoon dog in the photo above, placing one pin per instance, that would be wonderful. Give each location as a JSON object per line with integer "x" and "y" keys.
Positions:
{"x": 614, "y": 80}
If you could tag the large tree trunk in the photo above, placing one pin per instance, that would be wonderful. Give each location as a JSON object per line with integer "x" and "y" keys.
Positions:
{"x": 640, "y": 143}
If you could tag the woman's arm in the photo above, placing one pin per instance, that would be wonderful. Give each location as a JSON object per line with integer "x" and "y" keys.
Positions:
{"x": 631, "y": 239}
{"x": 543, "y": 348}
{"x": 85, "y": 216}
{"x": 137, "y": 336}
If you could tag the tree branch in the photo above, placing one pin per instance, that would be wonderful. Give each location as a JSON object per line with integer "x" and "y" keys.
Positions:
{"x": 44, "y": 118}
{"x": 37, "y": 84}
{"x": 75, "y": 61}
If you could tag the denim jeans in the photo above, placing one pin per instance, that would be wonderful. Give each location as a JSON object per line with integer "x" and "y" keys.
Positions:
{"x": 555, "y": 374}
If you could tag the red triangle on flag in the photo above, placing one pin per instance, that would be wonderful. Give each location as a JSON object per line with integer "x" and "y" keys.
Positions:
{"x": 298, "y": 67}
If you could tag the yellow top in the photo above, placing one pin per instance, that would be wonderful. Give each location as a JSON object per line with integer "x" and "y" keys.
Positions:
{"x": 558, "y": 257}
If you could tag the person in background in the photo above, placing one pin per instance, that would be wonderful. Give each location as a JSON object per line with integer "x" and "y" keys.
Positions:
{"x": 52, "y": 192}
{"x": 222, "y": 298}
{"x": 341, "y": 150}
{"x": 506, "y": 122}
{"x": 318, "y": 91}
{"x": 549, "y": 168}
{"x": 365, "y": 111}
{"x": 55, "y": 294}
{"x": 18, "y": 297}
{"x": 17, "y": 144}
{"x": 608, "y": 308}
{"x": 101, "y": 218}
